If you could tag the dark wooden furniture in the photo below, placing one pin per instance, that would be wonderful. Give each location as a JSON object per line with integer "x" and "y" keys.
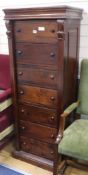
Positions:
{"x": 43, "y": 46}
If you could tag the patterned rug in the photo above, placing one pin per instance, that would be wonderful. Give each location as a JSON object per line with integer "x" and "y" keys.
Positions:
{"x": 6, "y": 170}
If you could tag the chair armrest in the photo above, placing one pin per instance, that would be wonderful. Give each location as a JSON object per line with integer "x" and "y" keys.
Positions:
{"x": 5, "y": 95}
{"x": 65, "y": 114}
{"x": 70, "y": 109}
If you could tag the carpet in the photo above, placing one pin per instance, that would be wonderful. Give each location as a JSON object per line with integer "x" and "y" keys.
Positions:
{"x": 6, "y": 170}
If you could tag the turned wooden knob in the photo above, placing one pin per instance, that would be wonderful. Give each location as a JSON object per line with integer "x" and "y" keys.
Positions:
{"x": 22, "y": 110}
{"x": 18, "y": 30}
{"x": 24, "y": 143}
{"x": 20, "y": 73}
{"x": 52, "y": 98}
{"x": 23, "y": 127}
{"x": 53, "y": 30}
{"x": 52, "y": 117}
{"x": 52, "y": 77}
{"x": 19, "y": 52}
{"x": 21, "y": 92}
{"x": 52, "y": 152}
{"x": 52, "y": 54}
{"x": 52, "y": 136}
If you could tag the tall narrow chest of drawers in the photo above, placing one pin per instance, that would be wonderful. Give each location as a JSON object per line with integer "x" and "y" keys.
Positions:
{"x": 43, "y": 47}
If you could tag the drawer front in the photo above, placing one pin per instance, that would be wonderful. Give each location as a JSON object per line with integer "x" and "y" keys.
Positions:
{"x": 34, "y": 54}
{"x": 38, "y": 115}
{"x": 36, "y": 31}
{"x": 37, "y": 95}
{"x": 40, "y": 77}
{"x": 36, "y": 147}
{"x": 37, "y": 131}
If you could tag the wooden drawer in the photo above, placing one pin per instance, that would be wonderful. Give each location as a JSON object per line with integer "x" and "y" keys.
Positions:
{"x": 36, "y": 147}
{"x": 37, "y": 95}
{"x": 42, "y": 133}
{"x": 29, "y": 53}
{"x": 38, "y": 115}
{"x": 36, "y": 31}
{"x": 39, "y": 77}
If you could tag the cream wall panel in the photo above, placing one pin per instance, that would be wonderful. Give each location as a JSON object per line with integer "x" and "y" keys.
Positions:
{"x": 84, "y": 30}
{"x": 84, "y": 42}
{"x": 2, "y": 22}
{"x": 83, "y": 52}
{"x": 20, "y": 3}
{"x": 3, "y": 39}
{"x": 4, "y": 48}
{"x": 3, "y": 30}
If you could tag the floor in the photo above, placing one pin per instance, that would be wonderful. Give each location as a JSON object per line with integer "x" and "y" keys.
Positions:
{"x": 6, "y": 158}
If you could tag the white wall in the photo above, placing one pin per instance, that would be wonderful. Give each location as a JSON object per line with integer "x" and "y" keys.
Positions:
{"x": 16, "y": 4}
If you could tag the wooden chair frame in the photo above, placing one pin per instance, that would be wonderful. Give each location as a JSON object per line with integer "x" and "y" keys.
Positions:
{"x": 60, "y": 166}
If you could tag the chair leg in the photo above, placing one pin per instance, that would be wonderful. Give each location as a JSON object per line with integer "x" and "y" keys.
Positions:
{"x": 62, "y": 167}
{"x": 59, "y": 166}
{"x": 77, "y": 164}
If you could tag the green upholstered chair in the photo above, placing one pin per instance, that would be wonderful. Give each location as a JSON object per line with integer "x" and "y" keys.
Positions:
{"x": 72, "y": 142}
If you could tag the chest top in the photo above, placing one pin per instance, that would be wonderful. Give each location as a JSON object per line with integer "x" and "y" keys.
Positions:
{"x": 59, "y": 12}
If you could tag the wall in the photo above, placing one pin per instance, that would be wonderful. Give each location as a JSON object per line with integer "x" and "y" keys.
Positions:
{"x": 17, "y": 4}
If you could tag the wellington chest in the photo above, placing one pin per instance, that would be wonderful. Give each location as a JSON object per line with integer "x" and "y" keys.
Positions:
{"x": 43, "y": 47}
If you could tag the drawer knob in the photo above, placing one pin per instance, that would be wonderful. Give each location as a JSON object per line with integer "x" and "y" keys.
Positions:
{"x": 52, "y": 77}
{"x": 52, "y": 98}
{"x": 53, "y": 31}
{"x": 21, "y": 92}
{"x": 24, "y": 143}
{"x": 52, "y": 54}
{"x": 52, "y": 152}
{"x": 22, "y": 110}
{"x": 20, "y": 73}
{"x": 19, "y": 52}
{"x": 18, "y": 30}
{"x": 23, "y": 127}
{"x": 52, "y": 117}
{"x": 52, "y": 136}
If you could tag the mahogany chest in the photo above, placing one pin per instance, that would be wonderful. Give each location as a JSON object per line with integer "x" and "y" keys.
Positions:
{"x": 43, "y": 47}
